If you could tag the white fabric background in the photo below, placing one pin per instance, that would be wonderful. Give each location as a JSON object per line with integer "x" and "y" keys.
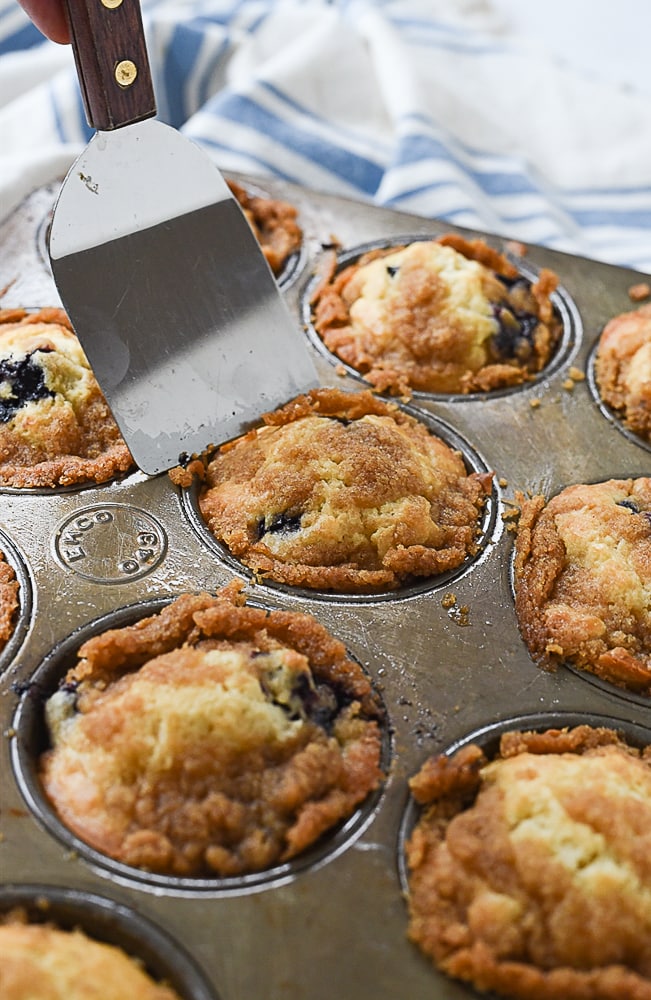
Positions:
{"x": 535, "y": 124}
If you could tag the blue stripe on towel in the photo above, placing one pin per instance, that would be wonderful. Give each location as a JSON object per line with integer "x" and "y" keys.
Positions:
{"x": 26, "y": 37}
{"x": 359, "y": 171}
{"x": 414, "y": 148}
{"x": 294, "y": 105}
{"x": 635, "y": 218}
{"x": 182, "y": 51}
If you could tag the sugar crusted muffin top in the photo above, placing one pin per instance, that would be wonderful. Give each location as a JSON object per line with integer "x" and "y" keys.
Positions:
{"x": 529, "y": 874}
{"x": 274, "y": 224}
{"x": 583, "y": 580}
{"x": 623, "y": 368}
{"x": 43, "y": 961}
{"x": 9, "y": 600}
{"x": 444, "y": 316}
{"x": 343, "y": 491}
{"x": 55, "y": 426}
{"x": 212, "y": 738}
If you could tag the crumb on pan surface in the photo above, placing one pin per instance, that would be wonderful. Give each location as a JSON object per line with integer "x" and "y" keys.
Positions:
{"x": 274, "y": 224}
{"x": 639, "y": 291}
{"x": 583, "y": 580}
{"x": 444, "y": 316}
{"x": 9, "y": 589}
{"x": 211, "y": 738}
{"x": 530, "y": 874}
{"x": 623, "y": 368}
{"x": 55, "y": 426}
{"x": 43, "y": 962}
{"x": 343, "y": 491}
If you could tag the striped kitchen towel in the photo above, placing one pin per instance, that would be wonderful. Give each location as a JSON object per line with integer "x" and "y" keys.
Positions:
{"x": 427, "y": 106}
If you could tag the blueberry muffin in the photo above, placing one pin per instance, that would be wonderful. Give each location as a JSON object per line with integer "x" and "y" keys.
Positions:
{"x": 442, "y": 316}
{"x": 583, "y": 580}
{"x": 274, "y": 223}
{"x": 211, "y": 739}
{"x": 344, "y": 492}
{"x": 43, "y": 962}
{"x": 529, "y": 874}
{"x": 55, "y": 426}
{"x": 8, "y": 601}
{"x": 623, "y": 368}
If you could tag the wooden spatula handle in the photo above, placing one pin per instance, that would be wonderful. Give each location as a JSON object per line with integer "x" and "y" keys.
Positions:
{"x": 112, "y": 63}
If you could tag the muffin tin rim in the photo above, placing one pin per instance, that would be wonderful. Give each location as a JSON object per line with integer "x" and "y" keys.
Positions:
{"x": 128, "y": 479}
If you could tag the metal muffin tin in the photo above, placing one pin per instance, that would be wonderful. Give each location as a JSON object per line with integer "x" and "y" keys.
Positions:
{"x": 446, "y": 655}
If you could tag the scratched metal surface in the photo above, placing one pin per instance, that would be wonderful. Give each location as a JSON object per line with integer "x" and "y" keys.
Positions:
{"x": 333, "y": 925}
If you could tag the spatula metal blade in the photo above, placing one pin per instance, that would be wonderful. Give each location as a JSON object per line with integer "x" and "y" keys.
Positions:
{"x": 160, "y": 273}
{"x": 170, "y": 295}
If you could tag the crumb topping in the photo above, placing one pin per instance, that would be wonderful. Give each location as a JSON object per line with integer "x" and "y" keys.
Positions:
{"x": 623, "y": 368}
{"x": 445, "y": 315}
{"x": 212, "y": 738}
{"x": 527, "y": 874}
{"x": 41, "y": 961}
{"x": 343, "y": 491}
{"x": 583, "y": 580}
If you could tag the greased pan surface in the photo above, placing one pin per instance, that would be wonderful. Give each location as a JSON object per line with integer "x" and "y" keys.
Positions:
{"x": 334, "y": 923}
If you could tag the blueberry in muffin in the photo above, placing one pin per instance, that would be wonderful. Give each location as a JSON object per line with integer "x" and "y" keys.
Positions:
{"x": 55, "y": 426}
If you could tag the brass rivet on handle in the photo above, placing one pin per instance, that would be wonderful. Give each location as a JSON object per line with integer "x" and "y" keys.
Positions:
{"x": 111, "y": 4}
{"x": 126, "y": 72}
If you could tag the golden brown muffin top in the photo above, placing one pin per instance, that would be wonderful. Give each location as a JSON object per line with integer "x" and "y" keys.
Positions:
{"x": 41, "y": 962}
{"x": 446, "y": 316}
{"x": 274, "y": 224}
{"x": 623, "y": 368}
{"x": 9, "y": 590}
{"x": 343, "y": 491}
{"x": 530, "y": 873}
{"x": 55, "y": 426}
{"x": 212, "y": 738}
{"x": 583, "y": 579}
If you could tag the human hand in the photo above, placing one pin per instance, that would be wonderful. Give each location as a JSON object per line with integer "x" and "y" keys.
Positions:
{"x": 49, "y": 17}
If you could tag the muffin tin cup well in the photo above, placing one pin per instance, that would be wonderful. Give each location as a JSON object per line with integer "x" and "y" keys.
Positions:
{"x": 112, "y": 923}
{"x": 30, "y": 740}
{"x": 135, "y": 476}
{"x": 608, "y": 688}
{"x": 489, "y": 529}
{"x": 25, "y": 601}
{"x": 488, "y": 739}
{"x": 562, "y": 301}
{"x": 614, "y": 418}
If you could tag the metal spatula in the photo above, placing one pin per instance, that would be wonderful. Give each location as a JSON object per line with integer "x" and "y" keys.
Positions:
{"x": 164, "y": 282}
